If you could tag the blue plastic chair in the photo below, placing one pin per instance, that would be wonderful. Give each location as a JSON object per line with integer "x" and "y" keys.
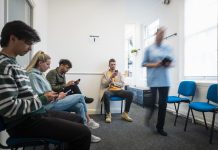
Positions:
{"x": 212, "y": 96}
{"x": 14, "y": 143}
{"x": 187, "y": 91}
{"x": 115, "y": 98}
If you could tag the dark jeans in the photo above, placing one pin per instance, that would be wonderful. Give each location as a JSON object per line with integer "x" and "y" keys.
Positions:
{"x": 121, "y": 93}
{"x": 163, "y": 94}
{"x": 57, "y": 125}
{"x": 74, "y": 89}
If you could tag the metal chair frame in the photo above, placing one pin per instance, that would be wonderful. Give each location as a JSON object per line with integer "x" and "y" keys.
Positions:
{"x": 212, "y": 95}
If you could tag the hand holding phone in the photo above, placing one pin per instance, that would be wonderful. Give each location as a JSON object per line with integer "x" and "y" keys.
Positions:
{"x": 67, "y": 92}
{"x": 77, "y": 81}
{"x": 166, "y": 61}
{"x": 51, "y": 96}
{"x": 115, "y": 72}
{"x": 61, "y": 95}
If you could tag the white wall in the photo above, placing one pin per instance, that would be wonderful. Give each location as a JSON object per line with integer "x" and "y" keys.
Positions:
{"x": 1, "y": 13}
{"x": 71, "y": 22}
{"x": 70, "y": 25}
{"x": 40, "y": 23}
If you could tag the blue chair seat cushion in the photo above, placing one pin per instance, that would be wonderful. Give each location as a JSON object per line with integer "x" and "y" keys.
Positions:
{"x": 203, "y": 106}
{"x": 176, "y": 99}
{"x": 12, "y": 141}
{"x": 116, "y": 98}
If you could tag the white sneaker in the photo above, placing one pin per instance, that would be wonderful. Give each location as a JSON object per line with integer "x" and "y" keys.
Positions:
{"x": 93, "y": 125}
{"x": 95, "y": 139}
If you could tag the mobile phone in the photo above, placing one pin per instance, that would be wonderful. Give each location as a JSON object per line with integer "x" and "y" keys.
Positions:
{"x": 68, "y": 91}
{"x": 166, "y": 60}
{"x": 77, "y": 81}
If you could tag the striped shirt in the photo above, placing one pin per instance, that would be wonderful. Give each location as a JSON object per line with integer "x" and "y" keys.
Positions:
{"x": 17, "y": 100}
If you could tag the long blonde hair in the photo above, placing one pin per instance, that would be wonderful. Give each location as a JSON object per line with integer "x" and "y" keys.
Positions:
{"x": 39, "y": 56}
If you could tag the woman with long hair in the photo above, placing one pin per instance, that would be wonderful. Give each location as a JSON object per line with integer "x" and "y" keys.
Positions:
{"x": 39, "y": 64}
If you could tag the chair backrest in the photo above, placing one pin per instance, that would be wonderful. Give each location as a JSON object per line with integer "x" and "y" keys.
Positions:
{"x": 187, "y": 88}
{"x": 212, "y": 93}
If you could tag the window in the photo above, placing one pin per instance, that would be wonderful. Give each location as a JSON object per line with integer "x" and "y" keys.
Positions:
{"x": 148, "y": 39}
{"x": 200, "y": 54}
{"x": 130, "y": 43}
{"x": 20, "y": 10}
{"x": 150, "y": 31}
{"x": 137, "y": 36}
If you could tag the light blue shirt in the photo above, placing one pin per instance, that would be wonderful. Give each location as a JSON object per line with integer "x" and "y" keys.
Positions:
{"x": 157, "y": 77}
{"x": 38, "y": 82}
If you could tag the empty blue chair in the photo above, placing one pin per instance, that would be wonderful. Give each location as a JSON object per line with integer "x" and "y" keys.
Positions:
{"x": 212, "y": 96}
{"x": 186, "y": 92}
{"x": 115, "y": 98}
{"x": 14, "y": 143}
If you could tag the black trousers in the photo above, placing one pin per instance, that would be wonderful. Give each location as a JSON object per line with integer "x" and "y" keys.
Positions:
{"x": 121, "y": 93}
{"x": 57, "y": 125}
{"x": 163, "y": 94}
{"x": 74, "y": 89}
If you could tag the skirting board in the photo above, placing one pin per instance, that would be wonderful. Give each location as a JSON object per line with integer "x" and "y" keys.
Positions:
{"x": 198, "y": 120}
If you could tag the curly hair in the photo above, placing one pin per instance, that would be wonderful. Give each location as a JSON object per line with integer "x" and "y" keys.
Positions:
{"x": 20, "y": 30}
{"x": 65, "y": 62}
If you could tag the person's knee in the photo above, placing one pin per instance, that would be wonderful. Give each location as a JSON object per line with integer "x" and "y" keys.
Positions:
{"x": 130, "y": 95}
{"x": 106, "y": 96}
{"x": 79, "y": 97}
{"x": 80, "y": 108}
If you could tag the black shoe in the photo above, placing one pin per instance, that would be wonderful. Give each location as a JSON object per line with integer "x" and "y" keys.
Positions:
{"x": 162, "y": 132}
{"x": 88, "y": 100}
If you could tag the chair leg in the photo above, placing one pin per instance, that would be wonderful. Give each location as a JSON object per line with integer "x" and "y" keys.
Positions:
{"x": 212, "y": 127}
{"x": 101, "y": 107}
{"x": 177, "y": 110}
{"x": 174, "y": 105}
{"x": 121, "y": 107}
{"x": 186, "y": 122}
{"x": 193, "y": 116}
{"x": 205, "y": 122}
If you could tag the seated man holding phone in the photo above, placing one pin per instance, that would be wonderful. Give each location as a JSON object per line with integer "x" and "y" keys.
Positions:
{"x": 60, "y": 100}
{"x": 112, "y": 85}
{"x": 56, "y": 78}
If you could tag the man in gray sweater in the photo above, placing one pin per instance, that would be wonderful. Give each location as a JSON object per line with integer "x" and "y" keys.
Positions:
{"x": 21, "y": 110}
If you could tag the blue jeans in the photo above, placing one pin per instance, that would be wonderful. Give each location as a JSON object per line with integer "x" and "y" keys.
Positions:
{"x": 71, "y": 103}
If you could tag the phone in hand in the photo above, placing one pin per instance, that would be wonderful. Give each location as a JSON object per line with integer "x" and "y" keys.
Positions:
{"x": 166, "y": 60}
{"x": 77, "y": 81}
{"x": 68, "y": 91}
{"x": 115, "y": 72}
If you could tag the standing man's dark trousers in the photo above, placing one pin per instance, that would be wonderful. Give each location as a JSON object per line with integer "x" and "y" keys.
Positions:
{"x": 163, "y": 94}
{"x": 128, "y": 95}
